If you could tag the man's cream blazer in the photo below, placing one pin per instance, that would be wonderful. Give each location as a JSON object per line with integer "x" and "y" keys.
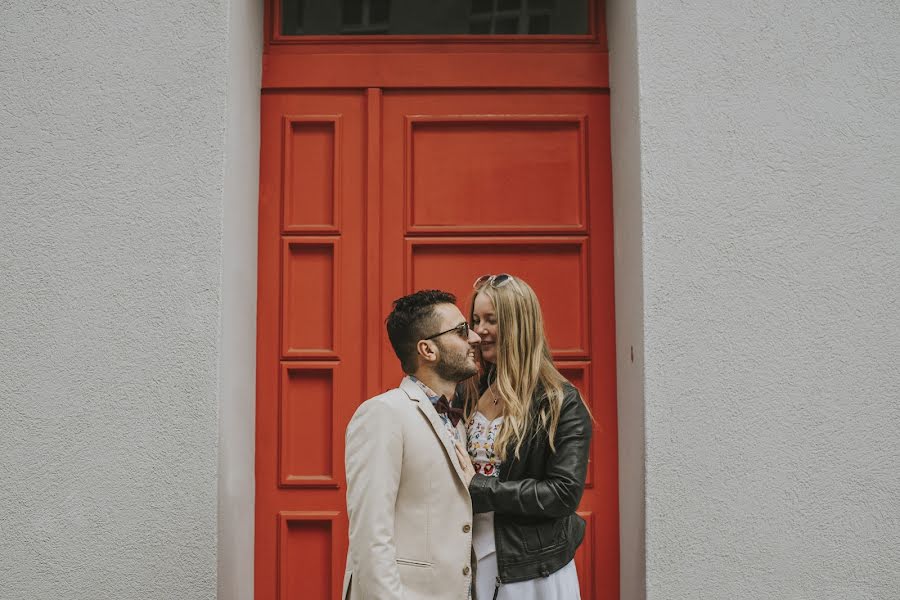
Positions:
{"x": 409, "y": 506}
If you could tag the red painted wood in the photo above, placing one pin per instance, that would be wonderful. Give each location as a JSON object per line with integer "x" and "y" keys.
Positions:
{"x": 312, "y": 174}
{"x": 369, "y": 189}
{"x": 572, "y": 274}
{"x": 310, "y": 321}
{"x": 374, "y": 318}
{"x": 529, "y": 157}
{"x": 307, "y": 557}
{"x": 450, "y": 68}
{"x": 453, "y": 263}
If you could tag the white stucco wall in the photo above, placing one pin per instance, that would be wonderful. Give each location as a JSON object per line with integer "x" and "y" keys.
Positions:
{"x": 112, "y": 213}
{"x": 769, "y": 186}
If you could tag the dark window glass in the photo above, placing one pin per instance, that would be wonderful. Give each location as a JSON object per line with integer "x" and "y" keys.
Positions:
{"x": 380, "y": 11}
{"x": 352, "y": 14}
{"x": 506, "y": 25}
{"x": 480, "y": 7}
{"x": 480, "y": 27}
{"x": 292, "y": 17}
{"x": 434, "y": 17}
{"x": 539, "y": 24}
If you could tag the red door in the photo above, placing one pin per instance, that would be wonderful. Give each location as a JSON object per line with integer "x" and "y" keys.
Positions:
{"x": 390, "y": 167}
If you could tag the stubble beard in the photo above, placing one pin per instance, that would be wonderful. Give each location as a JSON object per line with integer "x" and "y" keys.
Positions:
{"x": 454, "y": 367}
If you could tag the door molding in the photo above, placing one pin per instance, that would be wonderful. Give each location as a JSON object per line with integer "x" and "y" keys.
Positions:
{"x": 588, "y": 69}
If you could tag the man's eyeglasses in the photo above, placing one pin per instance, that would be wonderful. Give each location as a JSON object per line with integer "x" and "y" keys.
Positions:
{"x": 462, "y": 330}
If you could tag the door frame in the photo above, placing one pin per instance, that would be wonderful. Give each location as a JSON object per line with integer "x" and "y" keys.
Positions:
{"x": 432, "y": 62}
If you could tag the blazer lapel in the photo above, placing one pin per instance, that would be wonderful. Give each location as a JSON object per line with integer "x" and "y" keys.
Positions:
{"x": 418, "y": 396}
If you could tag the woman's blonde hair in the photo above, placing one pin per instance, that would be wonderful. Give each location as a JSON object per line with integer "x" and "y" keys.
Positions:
{"x": 524, "y": 366}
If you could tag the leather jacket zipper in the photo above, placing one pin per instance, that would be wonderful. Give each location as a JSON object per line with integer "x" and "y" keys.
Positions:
{"x": 501, "y": 475}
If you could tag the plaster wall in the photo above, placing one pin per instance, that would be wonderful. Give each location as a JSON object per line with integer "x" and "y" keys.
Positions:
{"x": 113, "y": 133}
{"x": 769, "y": 135}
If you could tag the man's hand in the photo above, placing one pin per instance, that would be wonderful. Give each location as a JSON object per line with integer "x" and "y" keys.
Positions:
{"x": 465, "y": 462}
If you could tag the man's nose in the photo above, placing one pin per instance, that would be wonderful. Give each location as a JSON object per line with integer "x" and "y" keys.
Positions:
{"x": 477, "y": 337}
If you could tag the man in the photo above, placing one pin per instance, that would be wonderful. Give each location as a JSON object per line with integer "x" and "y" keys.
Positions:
{"x": 407, "y": 493}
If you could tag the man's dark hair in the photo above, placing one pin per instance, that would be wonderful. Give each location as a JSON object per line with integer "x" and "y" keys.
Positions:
{"x": 413, "y": 319}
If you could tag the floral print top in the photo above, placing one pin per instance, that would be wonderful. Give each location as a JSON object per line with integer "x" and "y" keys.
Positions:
{"x": 481, "y": 434}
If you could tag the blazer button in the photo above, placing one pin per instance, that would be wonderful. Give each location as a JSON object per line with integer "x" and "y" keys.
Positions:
{"x": 466, "y": 571}
{"x": 467, "y": 528}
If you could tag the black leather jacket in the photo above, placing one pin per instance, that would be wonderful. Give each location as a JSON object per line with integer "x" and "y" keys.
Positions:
{"x": 535, "y": 496}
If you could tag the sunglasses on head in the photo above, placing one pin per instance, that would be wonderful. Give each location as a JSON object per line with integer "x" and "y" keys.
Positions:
{"x": 495, "y": 281}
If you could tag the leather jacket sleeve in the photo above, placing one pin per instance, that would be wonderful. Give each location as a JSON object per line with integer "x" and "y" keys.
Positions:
{"x": 557, "y": 493}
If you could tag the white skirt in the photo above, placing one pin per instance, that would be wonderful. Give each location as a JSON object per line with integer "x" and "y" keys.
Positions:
{"x": 561, "y": 585}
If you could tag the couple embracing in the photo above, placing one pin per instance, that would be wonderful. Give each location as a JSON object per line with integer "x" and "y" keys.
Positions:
{"x": 463, "y": 482}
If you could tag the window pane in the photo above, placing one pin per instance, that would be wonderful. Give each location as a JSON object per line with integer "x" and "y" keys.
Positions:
{"x": 480, "y": 7}
{"x": 506, "y": 25}
{"x": 353, "y": 11}
{"x": 434, "y": 17}
{"x": 480, "y": 26}
{"x": 539, "y": 24}
{"x": 381, "y": 11}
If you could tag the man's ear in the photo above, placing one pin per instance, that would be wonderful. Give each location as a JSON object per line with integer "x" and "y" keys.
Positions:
{"x": 426, "y": 350}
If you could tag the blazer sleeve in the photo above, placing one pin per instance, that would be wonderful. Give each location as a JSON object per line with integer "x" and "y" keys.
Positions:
{"x": 374, "y": 453}
{"x": 558, "y": 493}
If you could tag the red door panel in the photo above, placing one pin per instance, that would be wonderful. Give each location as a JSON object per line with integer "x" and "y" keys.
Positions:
{"x": 368, "y": 195}
{"x": 515, "y": 182}
{"x": 309, "y": 355}
{"x": 464, "y": 172}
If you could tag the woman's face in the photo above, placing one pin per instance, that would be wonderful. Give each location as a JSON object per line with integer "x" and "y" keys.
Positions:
{"x": 484, "y": 322}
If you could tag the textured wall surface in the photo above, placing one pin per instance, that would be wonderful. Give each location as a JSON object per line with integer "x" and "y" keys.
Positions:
{"x": 770, "y": 186}
{"x": 112, "y": 125}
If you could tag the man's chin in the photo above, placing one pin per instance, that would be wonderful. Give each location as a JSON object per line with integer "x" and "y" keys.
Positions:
{"x": 459, "y": 372}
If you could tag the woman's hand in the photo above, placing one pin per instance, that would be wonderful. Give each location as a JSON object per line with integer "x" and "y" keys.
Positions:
{"x": 465, "y": 461}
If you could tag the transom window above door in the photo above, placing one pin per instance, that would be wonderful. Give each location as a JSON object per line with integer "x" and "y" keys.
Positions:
{"x": 434, "y": 17}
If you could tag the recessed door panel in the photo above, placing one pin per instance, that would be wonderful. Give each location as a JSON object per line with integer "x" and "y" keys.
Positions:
{"x": 453, "y": 264}
{"x": 466, "y": 173}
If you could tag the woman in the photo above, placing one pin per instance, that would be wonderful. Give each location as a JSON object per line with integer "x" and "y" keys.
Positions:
{"x": 528, "y": 439}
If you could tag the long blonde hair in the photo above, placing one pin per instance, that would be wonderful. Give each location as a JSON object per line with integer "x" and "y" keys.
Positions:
{"x": 524, "y": 366}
